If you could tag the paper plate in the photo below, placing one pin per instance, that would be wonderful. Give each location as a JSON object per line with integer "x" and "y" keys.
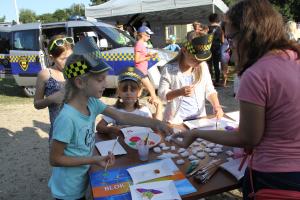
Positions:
{"x": 134, "y": 138}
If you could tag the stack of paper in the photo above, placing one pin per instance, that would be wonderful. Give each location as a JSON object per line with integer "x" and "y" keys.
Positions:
{"x": 233, "y": 168}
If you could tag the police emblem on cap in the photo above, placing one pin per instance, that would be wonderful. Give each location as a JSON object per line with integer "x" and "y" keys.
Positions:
{"x": 23, "y": 62}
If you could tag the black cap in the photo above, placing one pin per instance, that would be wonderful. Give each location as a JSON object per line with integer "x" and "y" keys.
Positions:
{"x": 131, "y": 73}
{"x": 200, "y": 46}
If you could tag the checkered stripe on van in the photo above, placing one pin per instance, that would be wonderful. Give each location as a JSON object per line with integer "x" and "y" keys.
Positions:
{"x": 121, "y": 57}
{"x": 31, "y": 58}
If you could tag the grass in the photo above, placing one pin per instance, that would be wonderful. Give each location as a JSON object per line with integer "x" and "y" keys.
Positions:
{"x": 11, "y": 93}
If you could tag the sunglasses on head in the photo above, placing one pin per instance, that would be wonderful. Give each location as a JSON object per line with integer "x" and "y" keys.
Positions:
{"x": 61, "y": 41}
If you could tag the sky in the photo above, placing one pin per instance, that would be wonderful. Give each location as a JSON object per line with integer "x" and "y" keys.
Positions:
{"x": 38, "y": 6}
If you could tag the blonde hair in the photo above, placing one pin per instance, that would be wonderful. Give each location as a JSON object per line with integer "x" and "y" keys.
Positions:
{"x": 197, "y": 70}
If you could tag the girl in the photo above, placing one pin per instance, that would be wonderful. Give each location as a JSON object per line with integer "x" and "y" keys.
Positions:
{"x": 141, "y": 58}
{"x": 129, "y": 90}
{"x": 49, "y": 84}
{"x": 186, "y": 82}
{"x": 269, "y": 97}
{"x": 73, "y": 133}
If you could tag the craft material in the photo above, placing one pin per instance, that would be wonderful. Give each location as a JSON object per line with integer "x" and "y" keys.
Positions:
{"x": 105, "y": 169}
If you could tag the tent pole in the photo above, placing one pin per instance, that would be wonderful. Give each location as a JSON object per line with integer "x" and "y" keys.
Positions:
{"x": 213, "y": 6}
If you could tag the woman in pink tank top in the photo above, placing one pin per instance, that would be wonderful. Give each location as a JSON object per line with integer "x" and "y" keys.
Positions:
{"x": 269, "y": 67}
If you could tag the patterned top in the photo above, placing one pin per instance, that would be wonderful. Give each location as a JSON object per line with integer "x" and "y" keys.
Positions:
{"x": 52, "y": 86}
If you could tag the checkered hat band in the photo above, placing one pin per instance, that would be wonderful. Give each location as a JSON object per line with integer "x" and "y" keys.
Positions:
{"x": 190, "y": 47}
{"x": 132, "y": 74}
{"x": 76, "y": 69}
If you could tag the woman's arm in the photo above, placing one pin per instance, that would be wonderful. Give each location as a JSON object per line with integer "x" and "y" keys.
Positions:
{"x": 249, "y": 135}
{"x": 58, "y": 158}
{"x": 137, "y": 120}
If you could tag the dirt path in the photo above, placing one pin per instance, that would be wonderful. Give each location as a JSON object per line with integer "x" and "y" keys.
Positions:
{"x": 25, "y": 170}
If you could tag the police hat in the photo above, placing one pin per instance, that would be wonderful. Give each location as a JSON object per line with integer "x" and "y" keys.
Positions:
{"x": 86, "y": 57}
{"x": 200, "y": 46}
{"x": 131, "y": 73}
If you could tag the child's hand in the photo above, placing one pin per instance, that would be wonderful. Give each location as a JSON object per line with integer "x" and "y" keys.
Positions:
{"x": 57, "y": 97}
{"x": 103, "y": 160}
{"x": 187, "y": 90}
{"x": 154, "y": 100}
{"x": 218, "y": 112}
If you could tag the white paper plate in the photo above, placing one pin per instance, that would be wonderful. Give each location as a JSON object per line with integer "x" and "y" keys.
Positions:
{"x": 149, "y": 171}
{"x": 132, "y": 139}
{"x": 160, "y": 190}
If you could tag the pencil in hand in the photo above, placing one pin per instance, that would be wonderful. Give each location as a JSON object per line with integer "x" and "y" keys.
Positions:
{"x": 112, "y": 151}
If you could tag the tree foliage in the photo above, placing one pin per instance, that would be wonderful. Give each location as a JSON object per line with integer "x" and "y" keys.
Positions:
{"x": 27, "y": 16}
{"x": 2, "y": 19}
{"x": 290, "y": 9}
{"x": 97, "y": 2}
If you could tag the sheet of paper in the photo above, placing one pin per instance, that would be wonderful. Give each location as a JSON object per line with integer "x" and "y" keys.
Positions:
{"x": 160, "y": 190}
{"x": 150, "y": 171}
{"x": 234, "y": 115}
{"x": 105, "y": 146}
{"x": 233, "y": 168}
{"x": 136, "y": 130}
{"x": 199, "y": 123}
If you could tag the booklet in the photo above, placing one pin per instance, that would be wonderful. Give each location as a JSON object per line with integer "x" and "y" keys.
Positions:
{"x": 233, "y": 168}
{"x": 115, "y": 183}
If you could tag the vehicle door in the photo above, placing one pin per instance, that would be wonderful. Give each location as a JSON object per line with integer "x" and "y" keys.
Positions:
{"x": 5, "y": 69}
{"x": 26, "y": 55}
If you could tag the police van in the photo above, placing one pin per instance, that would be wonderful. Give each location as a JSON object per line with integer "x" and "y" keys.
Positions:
{"x": 28, "y": 50}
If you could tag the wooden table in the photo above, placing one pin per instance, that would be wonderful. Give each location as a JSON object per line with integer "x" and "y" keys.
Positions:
{"x": 220, "y": 182}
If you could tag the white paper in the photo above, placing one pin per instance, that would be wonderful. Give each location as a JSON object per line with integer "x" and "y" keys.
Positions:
{"x": 105, "y": 146}
{"x": 199, "y": 123}
{"x": 147, "y": 172}
{"x": 166, "y": 190}
{"x": 233, "y": 168}
{"x": 234, "y": 115}
{"x": 135, "y": 130}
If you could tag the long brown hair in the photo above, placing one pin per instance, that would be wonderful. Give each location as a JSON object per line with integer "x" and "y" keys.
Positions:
{"x": 261, "y": 29}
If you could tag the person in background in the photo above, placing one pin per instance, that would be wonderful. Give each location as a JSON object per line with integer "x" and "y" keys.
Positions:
{"x": 74, "y": 128}
{"x": 269, "y": 66}
{"x": 119, "y": 26}
{"x": 214, "y": 62}
{"x": 197, "y": 30}
{"x": 50, "y": 81}
{"x": 186, "y": 82}
{"x": 172, "y": 46}
{"x": 129, "y": 91}
{"x": 225, "y": 55}
{"x": 292, "y": 31}
{"x": 141, "y": 58}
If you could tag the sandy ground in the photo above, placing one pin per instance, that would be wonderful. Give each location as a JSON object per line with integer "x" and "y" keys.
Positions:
{"x": 24, "y": 150}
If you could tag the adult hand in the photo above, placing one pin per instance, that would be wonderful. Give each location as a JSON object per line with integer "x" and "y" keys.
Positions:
{"x": 218, "y": 111}
{"x": 184, "y": 139}
{"x": 164, "y": 128}
{"x": 154, "y": 100}
{"x": 108, "y": 160}
{"x": 187, "y": 90}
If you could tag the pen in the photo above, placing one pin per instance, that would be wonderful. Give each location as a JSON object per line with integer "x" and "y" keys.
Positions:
{"x": 112, "y": 151}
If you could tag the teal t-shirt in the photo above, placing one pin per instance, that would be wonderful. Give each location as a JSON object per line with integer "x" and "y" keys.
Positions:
{"x": 78, "y": 132}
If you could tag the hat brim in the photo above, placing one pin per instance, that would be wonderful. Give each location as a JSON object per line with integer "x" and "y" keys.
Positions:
{"x": 128, "y": 78}
{"x": 203, "y": 57}
{"x": 102, "y": 67}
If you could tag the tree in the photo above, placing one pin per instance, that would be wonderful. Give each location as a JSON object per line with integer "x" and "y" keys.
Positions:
{"x": 2, "y": 19}
{"x": 97, "y": 2}
{"x": 60, "y": 15}
{"x": 27, "y": 16}
{"x": 46, "y": 18}
{"x": 76, "y": 9}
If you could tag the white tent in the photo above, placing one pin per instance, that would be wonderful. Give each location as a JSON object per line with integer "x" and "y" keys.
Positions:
{"x": 158, "y": 12}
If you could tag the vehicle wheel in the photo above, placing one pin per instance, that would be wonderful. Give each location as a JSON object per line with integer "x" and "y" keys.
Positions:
{"x": 29, "y": 91}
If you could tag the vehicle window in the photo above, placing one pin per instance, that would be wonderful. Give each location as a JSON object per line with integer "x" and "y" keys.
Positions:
{"x": 26, "y": 40}
{"x": 4, "y": 43}
{"x": 120, "y": 37}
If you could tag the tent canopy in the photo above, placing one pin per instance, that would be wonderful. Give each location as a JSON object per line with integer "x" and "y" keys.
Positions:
{"x": 163, "y": 11}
